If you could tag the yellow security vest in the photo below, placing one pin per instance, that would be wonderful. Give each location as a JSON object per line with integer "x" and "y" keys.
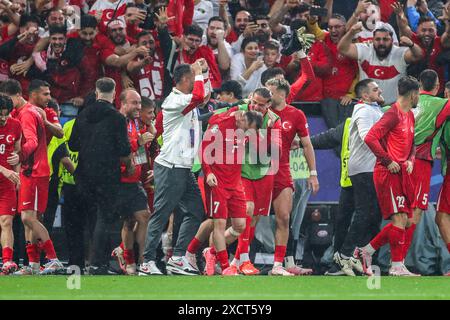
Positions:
{"x": 345, "y": 155}
{"x": 67, "y": 177}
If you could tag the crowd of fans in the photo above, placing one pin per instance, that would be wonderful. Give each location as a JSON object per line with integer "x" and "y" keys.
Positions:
{"x": 67, "y": 45}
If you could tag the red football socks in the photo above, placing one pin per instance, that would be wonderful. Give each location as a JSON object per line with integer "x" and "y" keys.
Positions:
{"x": 244, "y": 238}
{"x": 397, "y": 242}
{"x": 194, "y": 245}
{"x": 213, "y": 250}
{"x": 49, "y": 250}
{"x": 128, "y": 255}
{"x": 222, "y": 256}
{"x": 280, "y": 252}
{"x": 381, "y": 238}
{"x": 448, "y": 247}
{"x": 7, "y": 254}
{"x": 409, "y": 234}
{"x": 33, "y": 252}
{"x": 122, "y": 246}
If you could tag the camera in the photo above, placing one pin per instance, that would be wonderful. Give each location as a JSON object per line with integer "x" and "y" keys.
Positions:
{"x": 289, "y": 42}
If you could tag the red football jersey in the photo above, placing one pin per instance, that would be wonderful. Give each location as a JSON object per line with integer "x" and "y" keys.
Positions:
{"x": 52, "y": 117}
{"x": 34, "y": 145}
{"x": 133, "y": 136}
{"x": 392, "y": 137}
{"x": 222, "y": 150}
{"x": 9, "y": 134}
{"x": 293, "y": 121}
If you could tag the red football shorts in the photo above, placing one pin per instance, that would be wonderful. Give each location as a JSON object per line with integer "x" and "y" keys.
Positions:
{"x": 282, "y": 180}
{"x": 394, "y": 191}
{"x": 8, "y": 198}
{"x": 225, "y": 203}
{"x": 260, "y": 193}
{"x": 421, "y": 177}
{"x": 443, "y": 204}
{"x": 33, "y": 193}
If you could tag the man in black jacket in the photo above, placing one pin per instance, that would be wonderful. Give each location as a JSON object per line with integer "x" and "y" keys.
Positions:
{"x": 100, "y": 136}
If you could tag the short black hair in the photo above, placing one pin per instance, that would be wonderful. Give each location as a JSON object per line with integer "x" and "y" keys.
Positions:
{"x": 11, "y": 87}
{"x": 424, "y": 19}
{"x": 37, "y": 84}
{"x": 447, "y": 85}
{"x": 105, "y": 85}
{"x": 361, "y": 86}
{"x": 193, "y": 29}
{"x": 54, "y": 105}
{"x": 272, "y": 45}
{"x": 57, "y": 30}
{"x": 270, "y": 74}
{"x": 383, "y": 29}
{"x": 246, "y": 41}
{"x": 254, "y": 117}
{"x": 147, "y": 103}
{"x": 261, "y": 17}
{"x": 24, "y": 19}
{"x": 428, "y": 79}
{"x": 180, "y": 72}
{"x": 407, "y": 84}
{"x": 6, "y": 103}
{"x": 217, "y": 18}
{"x": 88, "y": 21}
{"x": 142, "y": 34}
{"x": 231, "y": 86}
{"x": 263, "y": 92}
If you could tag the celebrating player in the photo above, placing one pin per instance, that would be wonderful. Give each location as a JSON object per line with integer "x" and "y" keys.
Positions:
{"x": 391, "y": 139}
{"x": 10, "y": 134}
{"x": 34, "y": 179}
{"x": 293, "y": 122}
{"x": 221, "y": 163}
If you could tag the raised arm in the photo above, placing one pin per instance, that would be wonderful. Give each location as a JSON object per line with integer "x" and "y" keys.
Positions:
{"x": 402, "y": 21}
{"x": 360, "y": 8}
{"x": 346, "y": 47}
{"x": 414, "y": 53}
{"x": 445, "y": 38}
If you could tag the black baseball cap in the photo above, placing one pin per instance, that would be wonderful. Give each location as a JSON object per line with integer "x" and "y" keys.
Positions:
{"x": 231, "y": 86}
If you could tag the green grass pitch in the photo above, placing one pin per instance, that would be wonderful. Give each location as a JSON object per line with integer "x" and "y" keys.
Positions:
{"x": 226, "y": 288}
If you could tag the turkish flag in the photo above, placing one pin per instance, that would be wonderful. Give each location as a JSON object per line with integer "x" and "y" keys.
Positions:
{"x": 379, "y": 72}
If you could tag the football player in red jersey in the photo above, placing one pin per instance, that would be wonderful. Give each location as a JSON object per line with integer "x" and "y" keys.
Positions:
{"x": 39, "y": 92}
{"x": 34, "y": 179}
{"x": 391, "y": 139}
{"x": 221, "y": 162}
{"x": 293, "y": 121}
{"x": 10, "y": 135}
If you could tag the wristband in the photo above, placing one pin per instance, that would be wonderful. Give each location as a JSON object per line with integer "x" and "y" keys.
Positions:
{"x": 411, "y": 46}
{"x": 313, "y": 173}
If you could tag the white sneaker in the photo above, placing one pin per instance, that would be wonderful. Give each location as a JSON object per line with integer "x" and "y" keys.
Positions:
{"x": 279, "y": 271}
{"x": 192, "y": 259}
{"x": 181, "y": 266}
{"x": 149, "y": 268}
{"x": 344, "y": 264}
{"x": 53, "y": 267}
{"x": 402, "y": 271}
{"x": 131, "y": 269}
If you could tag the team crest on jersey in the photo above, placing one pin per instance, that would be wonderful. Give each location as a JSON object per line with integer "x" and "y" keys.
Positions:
{"x": 286, "y": 125}
{"x": 214, "y": 128}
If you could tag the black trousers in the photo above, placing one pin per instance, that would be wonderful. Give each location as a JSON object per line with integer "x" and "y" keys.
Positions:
{"x": 102, "y": 197}
{"x": 344, "y": 216}
{"x": 334, "y": 113}
{"x": 52, "y": 205}
{"x": 367, "y": 218}
{"x": 79, "y": 219}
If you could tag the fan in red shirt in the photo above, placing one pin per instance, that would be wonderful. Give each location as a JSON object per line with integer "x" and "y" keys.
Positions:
{"x": 40, "y": 97}
{"x": 133, "y": 199}
{"x": 221, "y": 157}
{"x": 428, "y": 40}
{"x": 16, "y": 52}
{"x": 147, "y": 72}
{"x": 90, "y": 65}
{"x": 391, "y": 139}
{"x": 10, "y": 134}
{"x": 336, "y": 71}
{"x": 115, "y": 52}
{"x": 293, "y": 121}
{"x": 240, "y": 23}
{"x": 34, "y": 180}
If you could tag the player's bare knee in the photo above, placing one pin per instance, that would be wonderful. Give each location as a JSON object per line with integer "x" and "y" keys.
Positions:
{"x": 5, "y": 222}
{"x": 250, "y": 209}
{"x": 238, "y": 225}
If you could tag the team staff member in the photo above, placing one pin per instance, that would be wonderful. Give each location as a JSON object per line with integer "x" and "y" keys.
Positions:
{"x": 10, "y": 135}
{"x": 175, "y": 184}
{"x": 100, "y": 136}
{"x": 34, "y": 178}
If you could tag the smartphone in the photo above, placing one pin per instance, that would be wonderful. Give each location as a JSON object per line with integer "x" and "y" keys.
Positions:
{"x": 319, "y": 12}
